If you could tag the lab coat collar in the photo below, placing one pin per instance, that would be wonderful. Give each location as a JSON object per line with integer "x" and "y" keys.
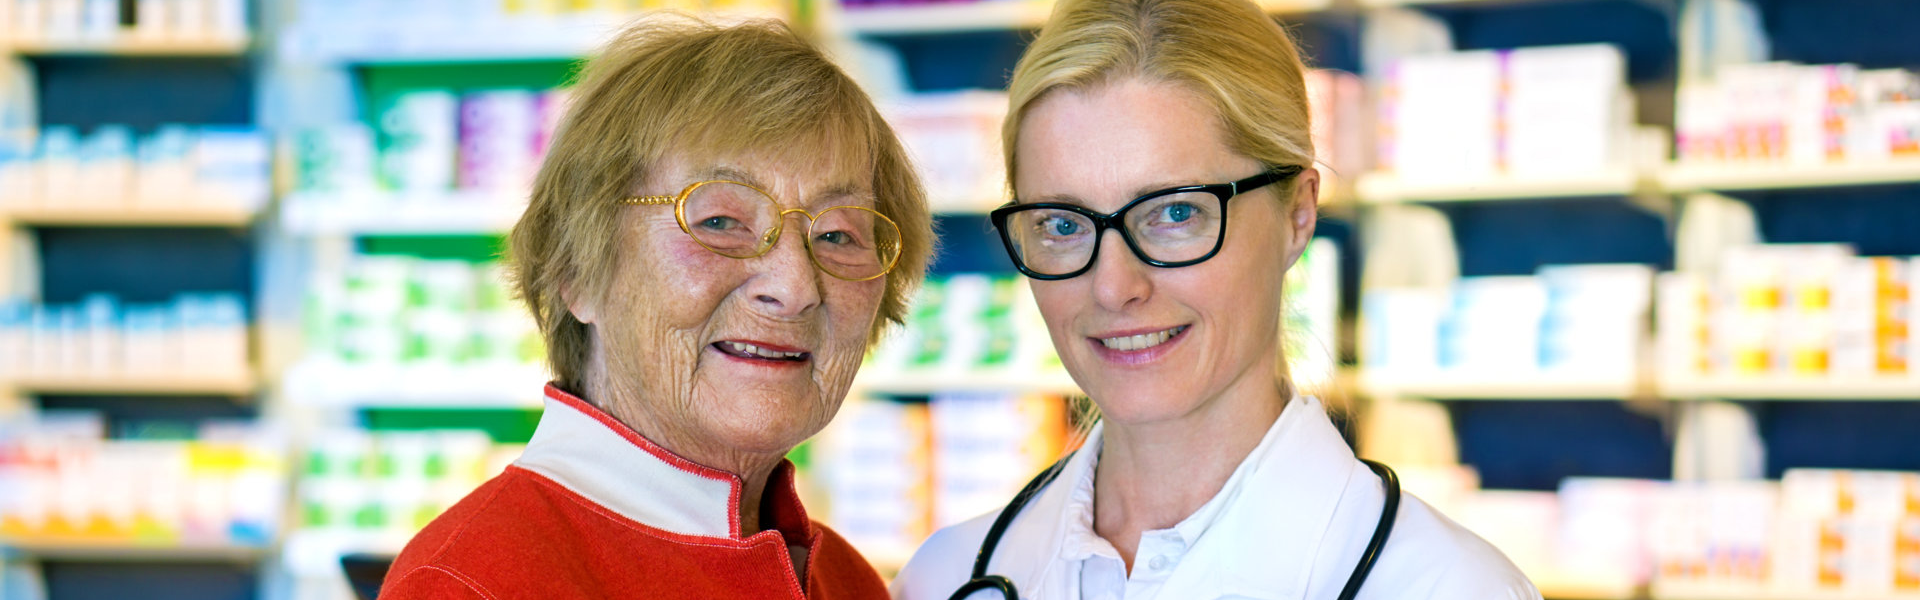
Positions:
{"x": 1263, "y": 544}
{"x": 588, "y": 451}
{"x": 1283, "y": 514}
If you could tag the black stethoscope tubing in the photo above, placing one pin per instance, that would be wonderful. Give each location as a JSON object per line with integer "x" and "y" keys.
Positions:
{"x": 980, "y": 580}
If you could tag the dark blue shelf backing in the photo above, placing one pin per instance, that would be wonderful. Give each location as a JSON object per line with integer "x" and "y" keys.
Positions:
{"x": 1643, "y": 32}
{"x": 79, "y": 580}
{"x": 1534, "y": 445}
{"x": 969, "y": 244}
{"x": 1518, "y": 237}
{"x": 1876, "y": 220}
{"x": 1871, "y": 33}
{"x": 151, "y": 418}
{"x": 959, "y": 61}
{"x": 1839, "y": 434}
{"x": 144, "y": 265}
{"x": 1327, "y": 40}
{"x": 145, "y": 92}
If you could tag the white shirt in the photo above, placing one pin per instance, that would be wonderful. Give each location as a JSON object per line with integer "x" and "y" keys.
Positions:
{"x": 1290, "y": 523}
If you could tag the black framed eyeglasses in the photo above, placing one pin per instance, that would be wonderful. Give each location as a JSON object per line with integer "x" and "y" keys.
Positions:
{"x": 1170, "y": 228}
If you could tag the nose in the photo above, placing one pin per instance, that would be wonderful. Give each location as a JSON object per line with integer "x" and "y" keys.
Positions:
{"x": 1120, "y": 280}
{"x": 785, "y": 283}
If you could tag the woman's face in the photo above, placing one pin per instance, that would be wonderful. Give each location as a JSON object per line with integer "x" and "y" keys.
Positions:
{"x": 1209, "y": 329}
{"x": 673, "y": 330}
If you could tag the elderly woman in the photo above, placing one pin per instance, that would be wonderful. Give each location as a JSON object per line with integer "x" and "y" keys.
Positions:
{"x": 1162, "y": 172}
{"x": 721, "y": 228}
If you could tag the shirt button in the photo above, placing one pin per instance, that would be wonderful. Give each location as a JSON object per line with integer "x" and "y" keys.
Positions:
{"x": 1160, "y": 563}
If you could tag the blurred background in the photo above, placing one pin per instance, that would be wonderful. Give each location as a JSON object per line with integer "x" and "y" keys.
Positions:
{"x": 1626, "y": 286}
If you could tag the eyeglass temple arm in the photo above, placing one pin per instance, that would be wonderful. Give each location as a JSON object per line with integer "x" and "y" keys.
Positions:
{"x": 649, "y": 200}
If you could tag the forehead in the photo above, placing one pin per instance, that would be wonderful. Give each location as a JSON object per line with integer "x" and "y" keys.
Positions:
{"x": 811, "y": 166}
{"x": 1111, "y": 142}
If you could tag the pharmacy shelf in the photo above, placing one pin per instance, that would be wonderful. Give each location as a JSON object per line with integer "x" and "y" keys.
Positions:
{"x": 1790, "y": 388}
{"x": 1386, "y": 188}
{"x": 377, "y": 213}
{"x": 987, "y": 15}
{"x": 1563, "y": 588}
{"x": 1662, "y": 590}
{"x": 922, "y": 383}
{"x": 1399, "y": 3}
{"x": 128, "y": 45}
{"x": 333, "y": 384}
{"x": 1685, "y": 178}
{"x": 1532, "y": 386}
{"x": 132, "y": 551}
{"x": 237, "y": 384}
{"x": 408, "y": 41}
{"x": 131, "y": 216}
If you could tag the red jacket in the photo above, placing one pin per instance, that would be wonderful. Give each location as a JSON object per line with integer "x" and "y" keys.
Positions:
{"x": 593, "y": 510}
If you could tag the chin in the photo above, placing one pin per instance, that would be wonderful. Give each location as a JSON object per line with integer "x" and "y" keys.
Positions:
{"x": 1122, "y": 403}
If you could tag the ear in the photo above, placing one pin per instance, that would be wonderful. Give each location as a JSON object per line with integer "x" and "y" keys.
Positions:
{"x": 582, "y": 309}
{"x": 1303, "y": 213}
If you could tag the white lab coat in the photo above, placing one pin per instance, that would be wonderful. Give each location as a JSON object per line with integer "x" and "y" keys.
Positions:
{"x": 1294, "y": 530}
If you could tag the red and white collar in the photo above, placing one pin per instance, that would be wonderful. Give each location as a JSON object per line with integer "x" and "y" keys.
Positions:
{"x": 586, "y": 450}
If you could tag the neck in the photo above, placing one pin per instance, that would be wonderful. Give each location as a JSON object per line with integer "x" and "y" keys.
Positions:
{"x": 633, "y": 409}
{"x": 1155, "y": 475}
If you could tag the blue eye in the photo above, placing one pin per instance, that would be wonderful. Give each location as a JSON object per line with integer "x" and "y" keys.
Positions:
{"x": 835, "y": 237}
{"x": 1176, "y": 213}
{"x": 1062, "y": 227}
{"x": 719, "y": 223}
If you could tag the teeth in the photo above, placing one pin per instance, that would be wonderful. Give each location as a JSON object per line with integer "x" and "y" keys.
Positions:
{"x": 1142, "y": 341}
{"x": 762, "y": 352}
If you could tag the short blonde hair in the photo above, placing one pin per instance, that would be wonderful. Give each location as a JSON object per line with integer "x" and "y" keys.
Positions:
{"x": 673, "y": 84}
{"x": 1228, "y": 53}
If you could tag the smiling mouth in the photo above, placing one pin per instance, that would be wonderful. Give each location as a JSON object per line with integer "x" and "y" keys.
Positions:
{"x": 750, "y": 351}
{"x": 1142, "y": 341}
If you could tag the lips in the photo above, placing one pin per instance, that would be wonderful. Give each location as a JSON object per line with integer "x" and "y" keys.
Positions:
{"x": 761, "y": 351}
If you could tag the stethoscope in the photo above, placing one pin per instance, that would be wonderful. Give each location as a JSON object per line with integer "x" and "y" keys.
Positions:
{"x": 982, "y": 581}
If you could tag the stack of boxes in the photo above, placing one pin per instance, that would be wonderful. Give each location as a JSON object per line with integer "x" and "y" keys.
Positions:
{"x": 1526, "y": 113}
{"x": 385, "y": 486}
{"x": 1785, "y": 113}
{"x": 106, "y": 21}
{"x": 1795, "y": 310}
{"x": 1584, "y": 321}
{"x": 65, "y": 484}
{"x": 396, "y": 311}
{"x": 194, "y": 336}
{"x": 113, "y": 169}
{"x": 434, "y": 142}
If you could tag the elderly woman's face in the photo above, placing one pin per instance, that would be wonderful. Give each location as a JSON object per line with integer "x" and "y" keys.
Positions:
{"x": 1152, "y": 344}
{"x": 751, "y": 355}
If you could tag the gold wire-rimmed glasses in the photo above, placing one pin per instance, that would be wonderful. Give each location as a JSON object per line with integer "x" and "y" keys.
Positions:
{"x": 738, "y": 220}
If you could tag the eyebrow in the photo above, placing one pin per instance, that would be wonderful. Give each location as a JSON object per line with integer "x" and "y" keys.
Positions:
{"x": 844, "y": 190}
{"x": 1072, "y": 199}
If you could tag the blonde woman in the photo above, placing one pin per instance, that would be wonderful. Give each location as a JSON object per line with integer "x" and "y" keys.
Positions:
{"x": 722, "y": 227}
{"x": 1161, "y": 168}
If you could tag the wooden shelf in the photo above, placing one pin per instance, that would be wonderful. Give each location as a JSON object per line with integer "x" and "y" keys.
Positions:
{"x": 1386, "y": 188}
{"x": 451, "y": 212}
{"x": 131, "y": 216}
{"x": 921, "y": 383}
{"x": 1769, "y": 176}
{"x": 243, "y": 384}
{"x": 1790, "y": 388}
{"x": 131, "y": 551}
{"x": 128, "y": 45}
{"x": 1531, "y": 386}
{"x": 1706, "y": 591}
{"x": 322, "y": 383}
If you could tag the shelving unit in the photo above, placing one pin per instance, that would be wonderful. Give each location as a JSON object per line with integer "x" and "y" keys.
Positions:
{"x": 377, "y": 213}
{"x": 128, "y": 45}
{"x": 131, "y": 551}
{"x": 1385, "y": 188}
{"x": 1531, "y": 386}
{"x": 997, "y": 15}
{"x": 1696, "y": 591}
{"x": 1791, "y": 388}
{"x": 327, "y": 385}
{"x": 873, "y": 381}
{"x": 235, "y": 385}
{"x": 175, "y": 215}
{"x": 1733, "y": 177}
